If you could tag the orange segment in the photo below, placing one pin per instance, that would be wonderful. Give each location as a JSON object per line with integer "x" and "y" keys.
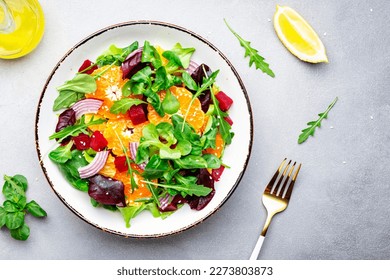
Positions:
{"x": 109, "y": 89}
{"x": 124, "y": 129}
{"x": 141, "y": 192}
{"x": 109, "y": 169}
{"x": 195, "y": 117}
{"x": 219, "y": 146}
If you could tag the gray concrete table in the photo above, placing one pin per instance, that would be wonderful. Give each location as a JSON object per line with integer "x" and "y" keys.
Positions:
{"x": 340, "y": 207}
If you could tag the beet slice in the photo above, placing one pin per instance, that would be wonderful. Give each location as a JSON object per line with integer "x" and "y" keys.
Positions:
{"x": 82, "y": 141}
{"x": 87, "y": 63}
{"x": 137, "y": 114}
{"x": 225, "y": 102}
{"x": 98, "y": 142}
{"x": 120, "y": 164}
{"x": 106, "y": 190}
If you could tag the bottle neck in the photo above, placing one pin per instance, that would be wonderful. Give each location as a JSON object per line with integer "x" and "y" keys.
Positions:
{"x": 7, "y": 23}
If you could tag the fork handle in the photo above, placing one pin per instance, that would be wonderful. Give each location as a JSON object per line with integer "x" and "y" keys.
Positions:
{"x": 256, "y": 250}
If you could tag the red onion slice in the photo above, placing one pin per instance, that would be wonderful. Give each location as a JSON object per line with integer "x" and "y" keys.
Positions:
{"x": 86, "y": 106}
{"x": 191, "y": 68}
{"x": 133, "y": 154}
{"x": 95, "y": 166}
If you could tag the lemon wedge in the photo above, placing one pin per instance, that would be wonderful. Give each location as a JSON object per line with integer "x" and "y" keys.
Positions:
{"x": 298, "y": 36}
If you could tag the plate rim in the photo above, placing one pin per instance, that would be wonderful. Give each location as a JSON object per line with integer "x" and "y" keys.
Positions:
{"x": 163, "y": 24}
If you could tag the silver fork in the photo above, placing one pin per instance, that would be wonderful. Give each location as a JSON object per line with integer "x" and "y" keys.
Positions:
{"x": 276, "y": 197}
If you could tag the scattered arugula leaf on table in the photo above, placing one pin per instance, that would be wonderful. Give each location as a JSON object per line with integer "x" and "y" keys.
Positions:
{"x": 309, "y": 131}
{"x": 253, "y": 54}
{"x": 15, "y": 207}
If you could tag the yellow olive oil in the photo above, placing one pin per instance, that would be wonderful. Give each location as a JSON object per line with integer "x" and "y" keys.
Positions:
{"x": 21, "y": 27}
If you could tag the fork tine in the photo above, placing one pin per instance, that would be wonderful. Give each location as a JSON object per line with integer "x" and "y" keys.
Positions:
{"x": 280, "y": 181}
{"x": 292, "y": 182}
{"x": 286, "y": 179}
{"x": 271, "y": 183}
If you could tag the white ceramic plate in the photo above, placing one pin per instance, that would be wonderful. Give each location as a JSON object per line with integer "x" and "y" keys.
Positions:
{"x": 166, "y": 35}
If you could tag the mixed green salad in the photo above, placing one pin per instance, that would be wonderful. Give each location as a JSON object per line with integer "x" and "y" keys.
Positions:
{"x": 143, "y": 128}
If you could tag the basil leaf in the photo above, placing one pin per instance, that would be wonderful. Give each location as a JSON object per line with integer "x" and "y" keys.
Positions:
{"x": 82, "y": 83}
{"x": 14, "y": 220}
{"x": 34, "y": 209}
{"x": 124, "y": 104}
{"x": 3, "y": 213}
{"x": 62, "y": 153}
{"x": 66, "y": 98}
{"x": 21, "y": 233}
{"x": 11, "y": 207}
{"x": 21, "y": 181}
{"x": 14, "y": 189}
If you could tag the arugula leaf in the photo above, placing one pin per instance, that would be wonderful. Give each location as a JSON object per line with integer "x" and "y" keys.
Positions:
{"x": 254, "y": 57}
{"x": 309, "y": 131}
{"x": 128, "y": 162}
{"x": 190, "y": 189}
{"x": 74, "y": 130}
{"x": 223, "y": 126}
{"x": 124, "y": 104}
